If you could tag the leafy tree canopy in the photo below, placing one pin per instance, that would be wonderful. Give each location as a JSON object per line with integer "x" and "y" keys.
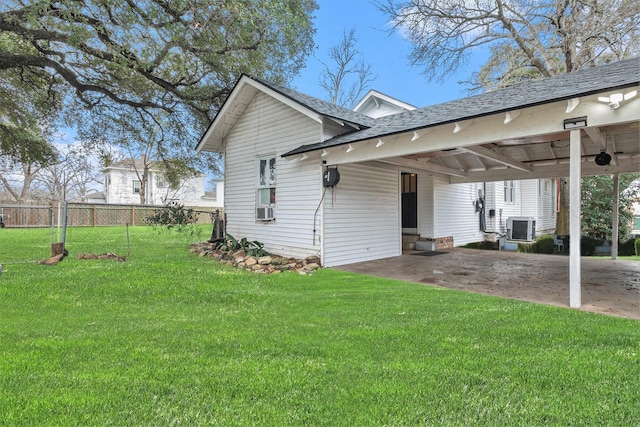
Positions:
{"x": 526, "y": 39}
{"x": 167, "y": 65}
{"x": 597, "y": 205}
{"x": 154, "y": 53}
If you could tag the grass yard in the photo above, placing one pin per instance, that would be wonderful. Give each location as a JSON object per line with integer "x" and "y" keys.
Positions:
{"x": 170, "y": 338}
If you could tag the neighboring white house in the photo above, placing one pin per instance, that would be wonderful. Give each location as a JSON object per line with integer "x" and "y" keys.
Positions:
{"x": 122, "y": 185}
{"x": 306, "y": 177}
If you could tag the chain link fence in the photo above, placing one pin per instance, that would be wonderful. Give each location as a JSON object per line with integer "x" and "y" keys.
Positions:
{"x": 29, "y": 233}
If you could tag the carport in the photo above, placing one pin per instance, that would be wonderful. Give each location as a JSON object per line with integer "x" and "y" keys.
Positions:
{"x": 609, "y": 287}
{"x": 579, "y": 124}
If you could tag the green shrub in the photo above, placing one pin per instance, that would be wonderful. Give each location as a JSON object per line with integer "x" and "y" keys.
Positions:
{"x": 545, "y": 244}
{"x": 494, "y": 246}
{"x": 588, "y": 245}
{"x": 526, "y": 248}
{"x": 636, "y": 243}
{"x": 542, "y": 245}
{"x": 250, "y": 247}
{"x": 173, "y": 215}
{"x": 626, "y": 248}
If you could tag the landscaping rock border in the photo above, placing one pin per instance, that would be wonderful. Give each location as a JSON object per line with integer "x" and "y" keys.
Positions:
{"x": 270, "y": 264}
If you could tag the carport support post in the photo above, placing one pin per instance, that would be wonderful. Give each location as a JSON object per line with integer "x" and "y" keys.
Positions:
{"x": 615, "y": 220}
{"x": 575, "y": 298}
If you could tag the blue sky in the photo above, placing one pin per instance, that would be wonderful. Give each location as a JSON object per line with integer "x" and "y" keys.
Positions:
{"x": 387, "y": 54}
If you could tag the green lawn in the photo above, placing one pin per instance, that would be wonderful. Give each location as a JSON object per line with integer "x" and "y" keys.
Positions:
{"x": 170, "y": 338}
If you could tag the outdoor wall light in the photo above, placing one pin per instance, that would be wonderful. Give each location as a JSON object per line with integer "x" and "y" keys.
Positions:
{"x": 349, "y": 148}
{"x": 575, "y": 122}
{"x": 615, "y": 99}
{"x": 603, "y": 159}
{"x": 380, "y": 143}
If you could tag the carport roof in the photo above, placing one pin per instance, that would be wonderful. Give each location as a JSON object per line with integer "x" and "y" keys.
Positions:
{"x": 588, "y": 81}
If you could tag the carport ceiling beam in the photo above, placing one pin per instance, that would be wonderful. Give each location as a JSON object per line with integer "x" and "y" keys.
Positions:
{"x": 421, "y": 165}
{"x": 597, "y": 137}
{"x": 500, "y": 158}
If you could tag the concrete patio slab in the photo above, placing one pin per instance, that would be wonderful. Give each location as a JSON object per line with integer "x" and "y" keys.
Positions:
{"x": 608, "y": 286}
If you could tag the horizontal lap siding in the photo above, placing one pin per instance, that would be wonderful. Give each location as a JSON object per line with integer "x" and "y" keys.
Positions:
{"x": 503, "y": 209}
{"x": 362, "y": 221}
{"x": 547, "y": 222}
{"x": 455, "y": 213}
{"x": 425, "y": 205}
{"x": 529, "y": 197}
{"x": 269, "y": 127}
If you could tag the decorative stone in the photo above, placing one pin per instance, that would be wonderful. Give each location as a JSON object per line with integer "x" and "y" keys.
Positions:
{"x": 311, "y": 266}
{"x": 270, "y": 264}
{"x": 312, "y": 260}
{"x": 264, "y": 260}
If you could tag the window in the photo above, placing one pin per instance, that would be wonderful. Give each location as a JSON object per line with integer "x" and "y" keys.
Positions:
{"x": 509, "y": 191}
{"x": 136, "y": 187}
{"x": 160, "y": 182}
{"x": 107, "y": 180}
{"x": 266, "y": 188}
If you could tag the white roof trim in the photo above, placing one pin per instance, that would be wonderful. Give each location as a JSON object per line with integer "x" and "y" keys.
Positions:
{"x": 375, "y": 95}
{"x": 232, "y": 101}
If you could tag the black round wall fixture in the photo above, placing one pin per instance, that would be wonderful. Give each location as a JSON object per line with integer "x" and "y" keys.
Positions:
{"x": 331, "y": 177}
{"x": 603, "y": 159}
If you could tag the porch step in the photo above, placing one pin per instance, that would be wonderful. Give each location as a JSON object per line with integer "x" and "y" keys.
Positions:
{"x": 409, "y": 241}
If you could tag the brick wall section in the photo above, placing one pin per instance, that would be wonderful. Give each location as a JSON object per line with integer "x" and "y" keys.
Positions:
{"x": 441, "y": 242}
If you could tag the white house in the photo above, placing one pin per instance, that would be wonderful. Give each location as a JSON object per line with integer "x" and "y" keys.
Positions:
{"x": 494, "y": 202}
{"x": 307, "y": 177}
{"x": 122, "y": 185}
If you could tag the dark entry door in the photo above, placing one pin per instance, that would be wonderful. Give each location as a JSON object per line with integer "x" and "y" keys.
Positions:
{"x": 409, "y": 202}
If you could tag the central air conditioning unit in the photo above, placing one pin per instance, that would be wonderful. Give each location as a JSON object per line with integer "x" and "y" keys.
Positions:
{"x": 521, "y": 228}
{"x": 264, "y": 214}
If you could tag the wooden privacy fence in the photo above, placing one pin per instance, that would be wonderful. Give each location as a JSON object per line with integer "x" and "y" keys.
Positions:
{"x": 87, "y": 214}
{"x": 27, "y": 216}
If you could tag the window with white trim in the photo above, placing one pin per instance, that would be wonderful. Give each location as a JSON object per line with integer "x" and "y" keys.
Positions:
{"x": 266, "y": 189}
{"x": 160, "y": 181}
{"x": 136, "y": 186}
{"x": 510, "y": 191}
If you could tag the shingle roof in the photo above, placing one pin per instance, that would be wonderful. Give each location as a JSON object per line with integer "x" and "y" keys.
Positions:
{"x": 584, "y": 82}
{"x": 321, "y": 107}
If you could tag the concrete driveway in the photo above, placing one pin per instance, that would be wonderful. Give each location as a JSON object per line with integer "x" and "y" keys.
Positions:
{"x": 609, "y": 287}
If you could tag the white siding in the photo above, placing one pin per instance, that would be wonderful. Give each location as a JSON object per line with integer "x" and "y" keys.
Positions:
{"x": 528, "y": 194}
{"x": 120, "y": 190}
{"x": 426, "y": 205}
{"x": 454, "y": 212}
{"x": 362, "y": 216}
{"x": 546, "y": 223}
{"x": 491, "y": 194}
{"x": 503, "y": 209}
{"x": 268, "y": 127}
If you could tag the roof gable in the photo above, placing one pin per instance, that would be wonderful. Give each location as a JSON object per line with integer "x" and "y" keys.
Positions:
{"x": 376, "y": 104}
{"x": 245, "y": 90}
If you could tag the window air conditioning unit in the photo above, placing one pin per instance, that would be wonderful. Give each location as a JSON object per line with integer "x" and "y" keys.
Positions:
{"x": 521, "y": 228}
{"x": 264, "y": 214}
